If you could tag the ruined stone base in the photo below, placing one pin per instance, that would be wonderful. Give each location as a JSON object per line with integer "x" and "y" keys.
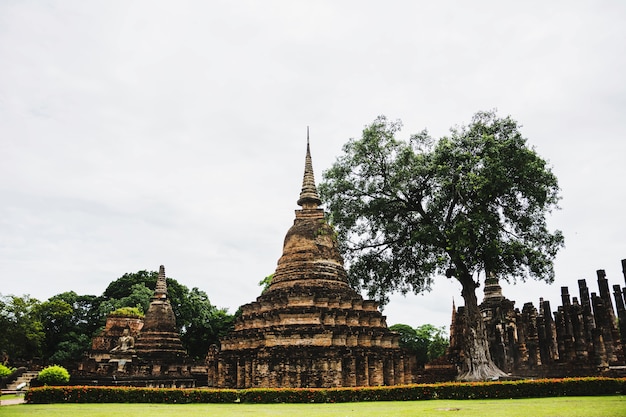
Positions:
{"x": 140, "y": 373}
{"x": 137, "y": 381}
{"x": 309, "y": 367}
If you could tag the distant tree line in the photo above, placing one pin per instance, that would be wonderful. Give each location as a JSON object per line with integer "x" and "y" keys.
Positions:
{"x": 60, "y": 329}
{"x": 426, "y": 342}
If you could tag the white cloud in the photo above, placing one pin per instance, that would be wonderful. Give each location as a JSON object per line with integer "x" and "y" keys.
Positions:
{"x": 147, "y": 133}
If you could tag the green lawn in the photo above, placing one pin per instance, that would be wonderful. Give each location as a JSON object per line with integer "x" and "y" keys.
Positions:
{"x": 539, "y": 407}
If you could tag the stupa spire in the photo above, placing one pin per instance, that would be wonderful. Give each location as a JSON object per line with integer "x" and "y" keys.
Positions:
{"x": 309, "y": 199}
{"x": 492, "y": 290}
{"x": 161, "y": 285}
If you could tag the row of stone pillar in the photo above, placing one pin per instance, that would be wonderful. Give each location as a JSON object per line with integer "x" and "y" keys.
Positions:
{"x": 583, "y": 332}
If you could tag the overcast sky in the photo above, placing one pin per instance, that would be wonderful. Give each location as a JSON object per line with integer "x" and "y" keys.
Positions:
{"x": 135, "y": 134}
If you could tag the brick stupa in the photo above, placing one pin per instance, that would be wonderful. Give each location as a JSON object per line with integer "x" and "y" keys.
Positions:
{"x": 309, "y": 328}
{"x": 159, "y": 338}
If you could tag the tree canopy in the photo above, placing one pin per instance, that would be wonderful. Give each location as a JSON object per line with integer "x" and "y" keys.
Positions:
{"x": 201, "y": 324}
{"x": 426, "y": 342}
{"x": 57, "y": 330}
{"x": 473, "y": 202}
{"x": 21, "y": 331}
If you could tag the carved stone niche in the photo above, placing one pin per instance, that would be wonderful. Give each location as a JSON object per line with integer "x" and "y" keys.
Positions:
{"x": 103, "y": 343}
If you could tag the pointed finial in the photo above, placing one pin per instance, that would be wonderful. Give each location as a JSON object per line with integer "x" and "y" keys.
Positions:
{"x": 161, "y": 285}
{"x": 453, "y": 326}
{"x": 309, "y": 199}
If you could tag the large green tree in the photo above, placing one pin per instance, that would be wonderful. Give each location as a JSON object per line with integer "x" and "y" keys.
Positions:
{"x": 203, "y": 323}
{"x": 69, "y": 321}
{"x": 471, "y": 204}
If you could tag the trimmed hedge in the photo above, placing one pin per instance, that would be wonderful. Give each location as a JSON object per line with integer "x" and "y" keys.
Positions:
{"x": 91, "y": 394}
{"x": 451, "y": 390}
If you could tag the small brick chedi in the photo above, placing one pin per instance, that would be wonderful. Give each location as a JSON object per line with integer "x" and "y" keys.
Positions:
{"x": 159, "y": 340}
{"x": 141, "y": 351}
{"x": 309, "y": 328}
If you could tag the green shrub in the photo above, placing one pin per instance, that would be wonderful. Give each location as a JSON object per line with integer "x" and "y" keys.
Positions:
{"x": 134, "y": 312}
{"x": 5, "y": 371}
{"x": 54, "y": 375}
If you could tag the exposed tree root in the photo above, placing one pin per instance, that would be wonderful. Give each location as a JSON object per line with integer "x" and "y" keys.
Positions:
{"x": 483, "y": 372}
{"x": 478, "y": 363}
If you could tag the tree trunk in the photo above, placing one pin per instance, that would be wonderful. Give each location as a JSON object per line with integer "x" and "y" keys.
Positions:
{"x": 477, "y": 363}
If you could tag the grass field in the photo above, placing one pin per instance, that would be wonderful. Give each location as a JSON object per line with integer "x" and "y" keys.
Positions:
{"x": 612, "y": 406}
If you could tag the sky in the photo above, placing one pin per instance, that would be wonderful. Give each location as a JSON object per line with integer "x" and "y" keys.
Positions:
{"x": 135, "y": 134}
